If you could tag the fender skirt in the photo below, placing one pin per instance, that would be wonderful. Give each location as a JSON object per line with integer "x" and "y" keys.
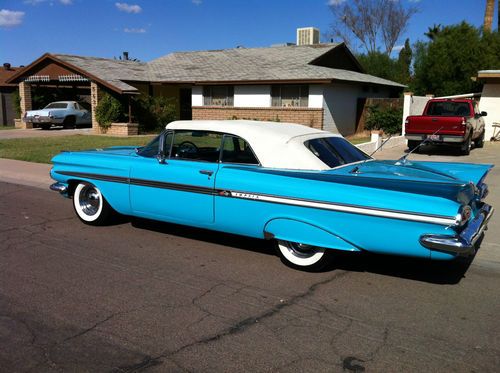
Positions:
{"x": 305, "y": 233}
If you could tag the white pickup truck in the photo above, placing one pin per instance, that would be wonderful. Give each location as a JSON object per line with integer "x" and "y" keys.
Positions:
{"x": 68, "y": 114}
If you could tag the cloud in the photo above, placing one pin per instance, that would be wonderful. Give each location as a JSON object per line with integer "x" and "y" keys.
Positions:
{"x": 397, "y": 48}
{"x": 128, "y": 8}
{"x": 335, "y": 2}
{"x": 134, "y": 30}
{"x": 36, "y": 2}
{"x": 197, "y": 2}
{"x": 10, "y": 18}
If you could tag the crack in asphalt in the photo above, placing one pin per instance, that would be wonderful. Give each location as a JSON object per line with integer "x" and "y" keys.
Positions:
{"x": 239, "y": 327}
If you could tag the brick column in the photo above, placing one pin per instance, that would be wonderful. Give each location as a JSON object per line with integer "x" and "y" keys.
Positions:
{"x": 25, "y": 94}
{"x": 95, "y": 95}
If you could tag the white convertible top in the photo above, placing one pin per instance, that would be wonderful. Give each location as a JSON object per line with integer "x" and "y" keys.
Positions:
{"x": 276, "y": 144}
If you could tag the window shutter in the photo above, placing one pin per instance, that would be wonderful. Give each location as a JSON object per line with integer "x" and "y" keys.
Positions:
{"x": 275, "y": 95}
{"x": 230, "y": 95}
{"x": 207, "y": 96}
{"x": 304, "y": 96}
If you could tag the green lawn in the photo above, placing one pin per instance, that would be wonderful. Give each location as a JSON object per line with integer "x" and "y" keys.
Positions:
{"x": 42, "y": 149}
{"x": 7, "y": 127}
{"x": 358, "y": 140}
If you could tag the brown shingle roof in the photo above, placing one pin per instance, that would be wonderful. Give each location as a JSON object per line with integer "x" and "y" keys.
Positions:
{"x": 6, "y": 74}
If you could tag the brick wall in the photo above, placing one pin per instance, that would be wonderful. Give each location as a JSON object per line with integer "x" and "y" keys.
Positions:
{"x": 122, "y": 129}
{"x": 95, "y": 95}
{"x": 309, "y": 117}
{"x": 25, "y": 95}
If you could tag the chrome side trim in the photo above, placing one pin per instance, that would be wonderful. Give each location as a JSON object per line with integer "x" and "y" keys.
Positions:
{"x": 385, "y": 213}
{"x": 59, "y": 187}
{"x": 464, "y": 243}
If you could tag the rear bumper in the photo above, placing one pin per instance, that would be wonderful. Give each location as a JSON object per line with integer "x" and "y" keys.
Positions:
{"x": 442, "y": 138}
{"x": 464, "y": 243}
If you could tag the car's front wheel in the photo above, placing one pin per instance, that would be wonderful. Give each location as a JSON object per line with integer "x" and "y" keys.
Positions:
{"x": 90, "y": 205}
{"x": 304, "y": 257}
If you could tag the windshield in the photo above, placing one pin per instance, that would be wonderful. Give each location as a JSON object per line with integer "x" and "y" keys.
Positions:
{"x": 335, "y": 151}
{"x": 56, "y": 105}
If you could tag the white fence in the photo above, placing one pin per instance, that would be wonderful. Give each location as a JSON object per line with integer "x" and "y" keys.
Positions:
{"x": 376, "y": 141}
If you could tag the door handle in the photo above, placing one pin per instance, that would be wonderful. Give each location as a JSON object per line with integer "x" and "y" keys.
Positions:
{"x": 206, "y": 172}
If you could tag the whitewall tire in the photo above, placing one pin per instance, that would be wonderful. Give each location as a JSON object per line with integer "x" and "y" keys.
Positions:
{"x": 90, "y": 205}
{"x": 305, "y": 257}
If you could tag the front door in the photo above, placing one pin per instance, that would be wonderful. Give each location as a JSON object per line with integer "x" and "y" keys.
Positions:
{"x": 182, "y": 188}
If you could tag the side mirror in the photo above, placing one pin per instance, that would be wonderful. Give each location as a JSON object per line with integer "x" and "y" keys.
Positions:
{"x": 161, "y": 154}
{"x": 484, "y": 113}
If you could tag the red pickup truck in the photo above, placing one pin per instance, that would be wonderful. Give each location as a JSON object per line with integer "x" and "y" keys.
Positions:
{"x": 455, "y": 122}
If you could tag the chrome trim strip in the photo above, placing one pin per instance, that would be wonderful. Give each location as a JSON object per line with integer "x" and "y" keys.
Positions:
{"x": 464, "y": 243}
{"x": 331, "y": 206}
{"x": 371, "y": 211}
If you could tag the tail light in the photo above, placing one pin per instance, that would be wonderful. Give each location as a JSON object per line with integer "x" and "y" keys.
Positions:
{"x": 464, "y": 121}
{"x": 463, "y": 215}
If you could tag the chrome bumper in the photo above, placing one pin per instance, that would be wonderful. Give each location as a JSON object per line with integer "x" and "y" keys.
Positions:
{"x": 464, "y": 243}
{"x": 59, "y": 187}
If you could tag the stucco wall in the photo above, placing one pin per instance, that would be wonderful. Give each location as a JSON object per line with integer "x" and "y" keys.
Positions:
{"x": 490, "y": 102}
{"x": 252, "y": 96}
{"x": 340, "y": 102}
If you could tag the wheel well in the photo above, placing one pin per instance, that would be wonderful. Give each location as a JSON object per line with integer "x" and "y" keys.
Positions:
{"x": 69, "y": 118}
{"x": 72, "y": 186}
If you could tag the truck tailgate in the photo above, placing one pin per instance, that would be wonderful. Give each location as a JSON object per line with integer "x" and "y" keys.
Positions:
{"x": 426, "y": 124}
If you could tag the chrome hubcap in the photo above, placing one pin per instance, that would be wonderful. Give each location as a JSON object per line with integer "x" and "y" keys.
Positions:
{"x": 301, "y": 250}
{"x": 89, "y": 200}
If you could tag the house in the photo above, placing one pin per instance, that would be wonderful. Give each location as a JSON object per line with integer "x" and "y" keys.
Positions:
{"x": 318, "y": 85}
{"x": 490, "y": 99}
{"x": 7, "y": 97}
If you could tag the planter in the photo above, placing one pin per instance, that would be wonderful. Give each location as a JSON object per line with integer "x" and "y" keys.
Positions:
{"x": 18, "y": 123}
{"x": 121, "y": 129}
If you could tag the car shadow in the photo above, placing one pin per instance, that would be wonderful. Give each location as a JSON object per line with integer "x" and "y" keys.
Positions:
{"x": 435, "y": 272}
{"x": 439, "y": 150}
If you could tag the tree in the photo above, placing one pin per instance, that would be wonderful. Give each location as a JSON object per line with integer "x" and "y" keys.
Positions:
{"x": 404, "y": 63}
{"x": 488, "y": 15}
{"x": 447, "y": 64}
{"x": 372, "y": 22}
{"x": 433, "y": 31}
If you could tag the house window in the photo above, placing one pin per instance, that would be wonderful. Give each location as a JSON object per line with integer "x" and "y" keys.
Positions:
{"x": 218, "y": 95}
{"x": 290, "y": 95}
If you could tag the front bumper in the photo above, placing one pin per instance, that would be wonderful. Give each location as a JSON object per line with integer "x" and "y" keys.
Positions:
{"x": 59, "y": 187}
{"x": 43, "y": 120}
{"x": 462, "y": 244}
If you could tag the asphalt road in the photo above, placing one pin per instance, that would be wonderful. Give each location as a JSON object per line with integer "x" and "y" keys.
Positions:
{"x": 152, "y": 297}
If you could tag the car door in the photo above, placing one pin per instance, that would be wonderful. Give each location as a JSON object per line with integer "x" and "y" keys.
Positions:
{"x": 180, "y": 189}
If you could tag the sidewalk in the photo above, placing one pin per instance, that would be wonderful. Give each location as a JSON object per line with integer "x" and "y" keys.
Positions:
{"x": 25, "y": 173}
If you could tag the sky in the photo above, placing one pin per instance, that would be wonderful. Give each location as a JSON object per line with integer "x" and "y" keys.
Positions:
{"x": 149, "y": 29}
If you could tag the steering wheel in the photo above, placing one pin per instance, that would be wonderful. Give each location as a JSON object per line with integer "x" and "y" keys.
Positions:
{"x": 187, "y": 147}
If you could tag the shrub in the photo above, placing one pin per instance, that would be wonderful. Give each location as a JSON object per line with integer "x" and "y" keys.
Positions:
{"x": 17, "y": 103}
{"x": 387, "y": 119}
{"x": 153, "y": 113}
{"x": 108, "y": 110}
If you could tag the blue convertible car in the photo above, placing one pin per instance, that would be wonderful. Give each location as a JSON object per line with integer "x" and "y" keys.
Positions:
{"x": 310, "y": 191}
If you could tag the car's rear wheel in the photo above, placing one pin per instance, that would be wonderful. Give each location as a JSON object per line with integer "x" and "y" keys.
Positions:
{"x": 45, "y": 126}
{"x": 465, "y": 149}
{"x": 412, "y": 144}
{"x": 90, "y": 205}
{"x": 479, "y": 142}
{"x": 69, "y": 122}
{"x": 304, "y": 257}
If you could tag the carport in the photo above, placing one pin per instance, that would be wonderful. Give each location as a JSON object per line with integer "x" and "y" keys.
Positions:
{"x": 76, "y": 76}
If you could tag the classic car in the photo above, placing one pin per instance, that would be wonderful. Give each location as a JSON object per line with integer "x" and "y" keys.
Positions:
{"x": 68, "y": 114}
{"x": 310, "y": 191}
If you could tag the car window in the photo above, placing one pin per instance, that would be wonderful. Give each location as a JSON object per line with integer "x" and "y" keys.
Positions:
{"x": 57, "y": 105}
{"x": 335, "y": 151}
{"x": 196, "y": 145}
{"x": 151, "y": 149}
{"x": 448, "y": 109}
{"x": 237, "y": 150}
